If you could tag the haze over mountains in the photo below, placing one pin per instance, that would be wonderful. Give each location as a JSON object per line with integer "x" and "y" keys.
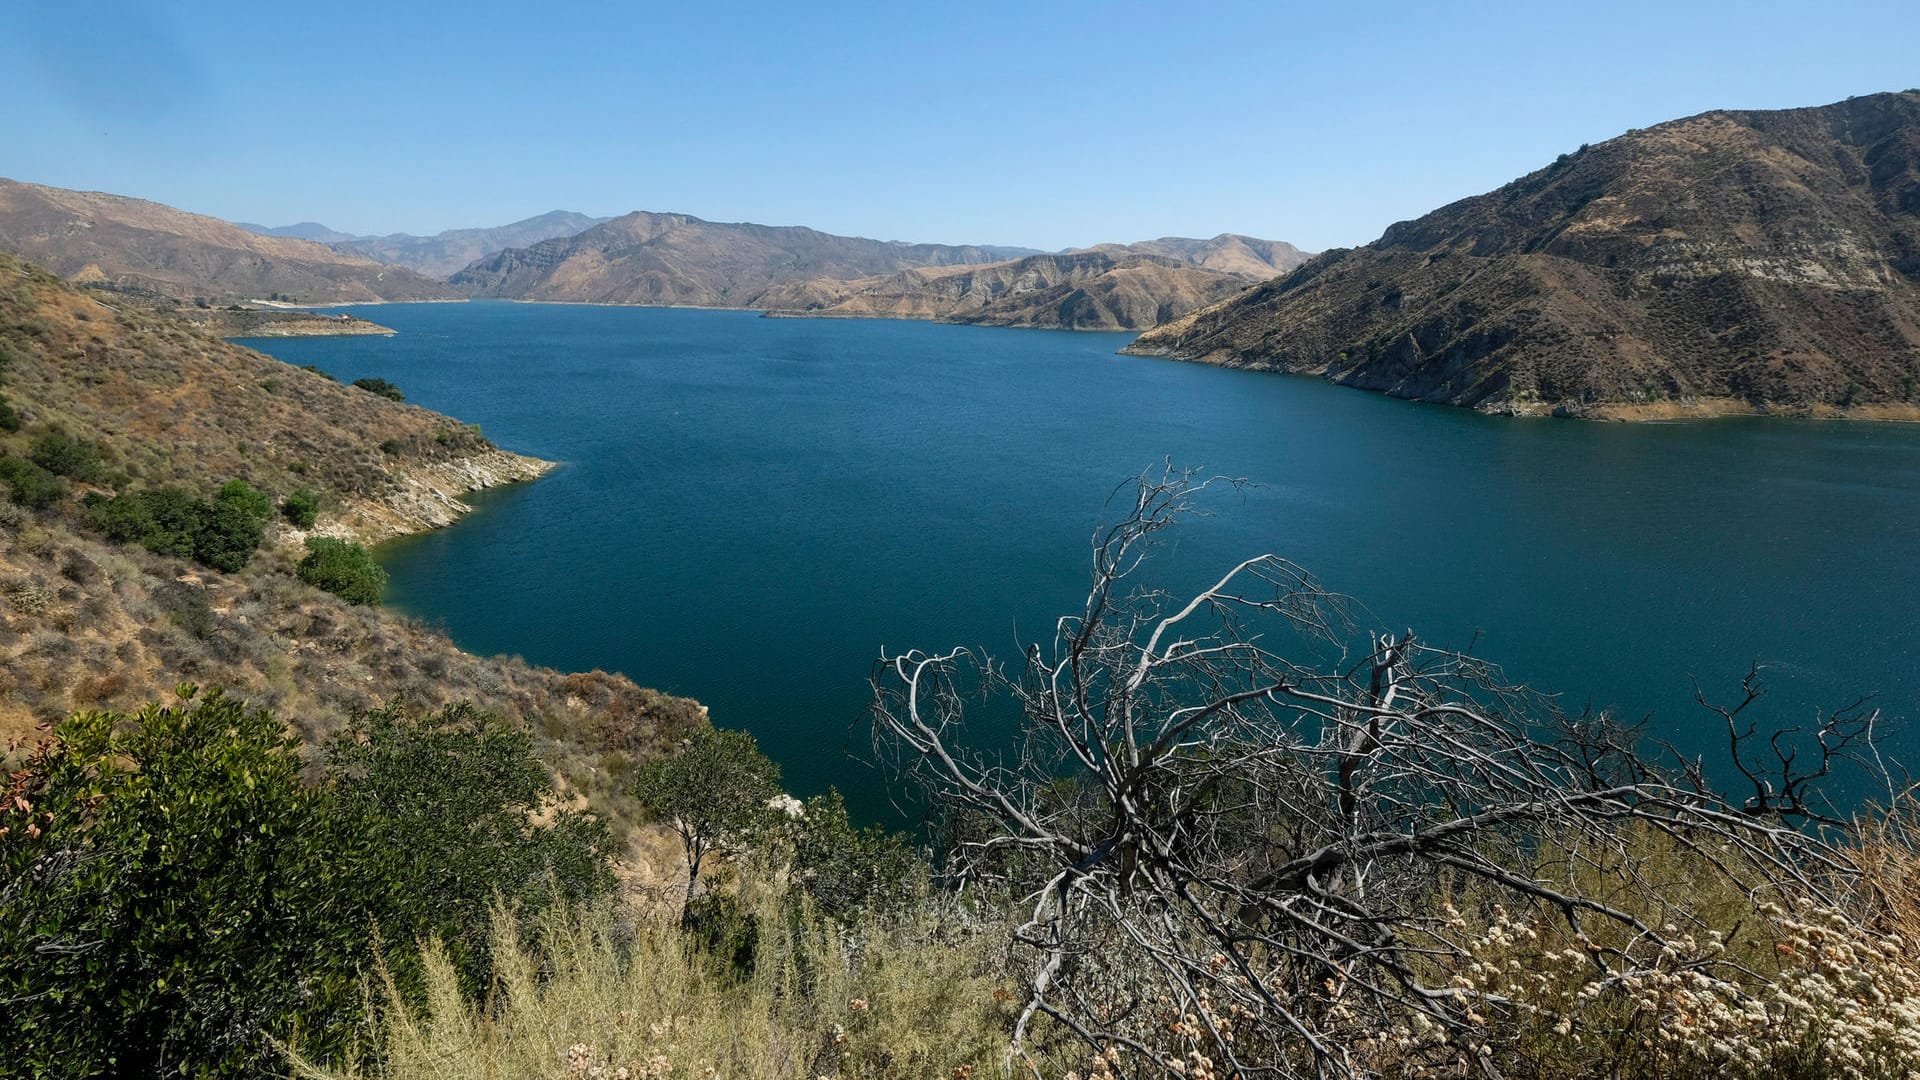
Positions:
{"x": 1762, "y": 258}
{"x": 445, "y": 252}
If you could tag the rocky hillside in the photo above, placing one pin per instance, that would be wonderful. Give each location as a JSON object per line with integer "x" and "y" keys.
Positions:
{"x": 445, "y": 253}
{"x": 1229, "y": 253}
{"x": 1088, "y": 290}
{"x": 646, "y": 258}
{"x": 90, "y": 237}
{"x": 86, "y": 622}
{"x": 1730, "y": 261}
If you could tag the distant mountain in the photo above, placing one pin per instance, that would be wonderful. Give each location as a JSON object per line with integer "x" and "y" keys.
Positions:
{"x": 305, "y": 230}
{"x": 1102, "y": 289}
{"x": 1727, "y": 261}
{"x": 443, "y": 253}
{"x": 647, "y": 258}
{"x": 98, "y": 239}
{"x": 1229, "y": 253}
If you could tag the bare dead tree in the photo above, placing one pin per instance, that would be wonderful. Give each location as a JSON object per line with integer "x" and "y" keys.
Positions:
{"x": 1260, "y": 847}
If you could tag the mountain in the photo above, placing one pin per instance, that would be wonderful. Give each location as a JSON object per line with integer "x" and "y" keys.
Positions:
{"x": 648, "y": 258}
{"x": 305, "y": 230}
{"x": 117, "y": 242}
{"x": 1229, "y": 253}
{"x": 1731, "y": 261}
{"x": 443, "y": 253}
{"x": 1087, "y": 290}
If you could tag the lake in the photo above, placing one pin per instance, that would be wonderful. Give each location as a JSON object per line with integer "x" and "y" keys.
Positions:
{"x": 751, "y": 509}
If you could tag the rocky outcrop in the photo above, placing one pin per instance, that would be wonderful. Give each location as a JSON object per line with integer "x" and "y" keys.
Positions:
{"x": 1757, "y": 260}
{"x": 426, "y": 495}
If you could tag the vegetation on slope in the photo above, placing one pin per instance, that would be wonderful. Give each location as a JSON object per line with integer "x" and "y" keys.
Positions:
{"x": 1728, "y": 261}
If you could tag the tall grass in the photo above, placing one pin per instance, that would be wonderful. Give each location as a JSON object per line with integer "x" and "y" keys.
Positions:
{"x": 606, "y": 997}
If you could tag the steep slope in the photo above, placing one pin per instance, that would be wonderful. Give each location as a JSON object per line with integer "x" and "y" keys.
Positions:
{"x": 444, "y": 253}
{"x": 647, "y": 258}
{"x": 1229, "y": 253}
{"x": 131, "y": 244}
{"x": 1089, "y": 290}
{"x": 86, "y": 623}
{"x": 1727, "y": 261}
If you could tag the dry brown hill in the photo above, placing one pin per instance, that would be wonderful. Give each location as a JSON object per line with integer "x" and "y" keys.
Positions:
{"x": 1731, "y": 260}
{"x": 94, "y": 238}
{"x": 1229, "y": 253}
{"x": 1088, "y": 290}
{"x": 646, "y": 258}
{"x": 89, "y": 623}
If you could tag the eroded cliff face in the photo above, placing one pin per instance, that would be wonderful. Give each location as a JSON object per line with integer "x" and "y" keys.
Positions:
{"x": 1760, "y": 260}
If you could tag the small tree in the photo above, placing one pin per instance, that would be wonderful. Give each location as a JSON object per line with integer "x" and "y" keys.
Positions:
{"x": 344, "y": 569}
{"x": 715, "y": 793}
{"x": 301, "y": 508}
{"x": 60, "y": 453}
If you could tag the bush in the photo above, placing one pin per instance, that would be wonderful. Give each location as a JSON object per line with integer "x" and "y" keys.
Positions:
{"x": 317, "y": 371}
{"x": 301, "y": 508}
{"x": 222, "y": 534}
{"x": 30, "y": 485}
{"x": 382, "y": 387}
{"x": 167, "y": 896}
{"x": 714, "y": 793}
{"x": 9, "y": 418}
{"x": 177, "y": 898}
{"x": 64, "y": 455}
{"x": 344, "y": 569}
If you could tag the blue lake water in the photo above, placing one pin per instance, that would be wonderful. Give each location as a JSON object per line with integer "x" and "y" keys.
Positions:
{"x": 751, "y": 509}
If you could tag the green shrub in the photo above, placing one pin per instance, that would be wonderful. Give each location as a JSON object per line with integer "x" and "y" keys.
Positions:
{"x": 715, "y": 793}
{"x": 9, "y": 417}
{"x": 344, "y": 569}
{"x": 242, "y": 495}
{"x": 167, "y": 897}
{"x": 177, "y": 897}
{"x": 60, "y": 453}
{"x": 382, "y": 387}
{"x": 301, "y": 508}
{"x": 30, "y": 485}
{"x": 222, "y": 534}
{"x": 317, "y": 371}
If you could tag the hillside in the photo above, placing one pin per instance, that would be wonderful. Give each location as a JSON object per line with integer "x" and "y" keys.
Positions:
{"x": 86, "y": 622}
{"x": 1229, "y": 253}
{"x": 90, "y": 237}
{"x": 446, "y": 252}
{"x": 1089, "y": 290}
{"x": 1730, "y": 261}
{"x": 647, "y": 258}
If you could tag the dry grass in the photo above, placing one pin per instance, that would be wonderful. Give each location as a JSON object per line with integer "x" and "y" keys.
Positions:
{"x": 610, "y": 996}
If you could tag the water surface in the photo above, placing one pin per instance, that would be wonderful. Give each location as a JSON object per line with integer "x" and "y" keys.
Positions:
{"x": 751, "y": 509}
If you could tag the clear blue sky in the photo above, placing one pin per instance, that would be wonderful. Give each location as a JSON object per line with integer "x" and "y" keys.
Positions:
{"x": 1020, "y": 123}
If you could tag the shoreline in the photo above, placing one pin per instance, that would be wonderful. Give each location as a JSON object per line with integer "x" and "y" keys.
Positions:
{"x": 1615, "y": 412}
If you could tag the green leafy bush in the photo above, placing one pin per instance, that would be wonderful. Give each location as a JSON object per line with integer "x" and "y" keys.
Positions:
{"x": 60, "y": 453}
{"x": 167, "y": 901}
{"x": 344, "y": 569}
{"x": 30, "y": 485}
{"x": 177, "y": 897}
{"x": 382, "y": 387}
{"x": 222, "y": 534}
{"x": 301, "y": 508}
{"x": 9, "y": 417}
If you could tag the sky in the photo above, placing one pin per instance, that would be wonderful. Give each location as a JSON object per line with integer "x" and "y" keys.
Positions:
{"x": 1037, "y": 124}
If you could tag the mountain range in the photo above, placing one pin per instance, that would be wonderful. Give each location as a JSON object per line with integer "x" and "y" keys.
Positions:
{"x": 1723, "y": 262}
{"x": 442, "y": 253}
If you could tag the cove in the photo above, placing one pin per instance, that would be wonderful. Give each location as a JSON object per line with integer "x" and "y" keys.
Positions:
{"x": 751, "y": 509}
